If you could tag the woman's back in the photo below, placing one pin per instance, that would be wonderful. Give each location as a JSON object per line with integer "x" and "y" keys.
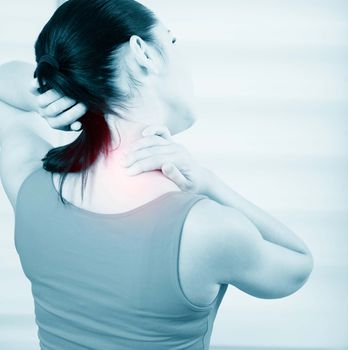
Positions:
{"x": 108, "y": 281}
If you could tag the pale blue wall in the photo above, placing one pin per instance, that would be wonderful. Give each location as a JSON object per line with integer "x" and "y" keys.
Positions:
{"x": 271, "y": 80}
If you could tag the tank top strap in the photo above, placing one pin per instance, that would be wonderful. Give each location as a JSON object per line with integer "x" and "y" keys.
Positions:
{"x": 166, "y": 247}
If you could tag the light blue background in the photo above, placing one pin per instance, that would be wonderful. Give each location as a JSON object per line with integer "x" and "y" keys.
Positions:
{"x": 271, "y": 80}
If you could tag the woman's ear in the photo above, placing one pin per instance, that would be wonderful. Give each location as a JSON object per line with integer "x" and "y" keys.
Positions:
{"x": 142, "y": 53}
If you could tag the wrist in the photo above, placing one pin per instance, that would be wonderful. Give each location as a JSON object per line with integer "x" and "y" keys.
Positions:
{"x": 15, "y": 77}
{"x": 217, "y": 190}
{"x": 208, "y": 180}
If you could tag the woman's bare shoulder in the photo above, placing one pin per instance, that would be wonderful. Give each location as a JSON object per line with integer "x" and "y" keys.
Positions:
{"x": 208, "y": 216}
{"x": 203, "y": 229}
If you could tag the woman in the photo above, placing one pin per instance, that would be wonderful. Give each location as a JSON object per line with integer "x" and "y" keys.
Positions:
{"x": 131, "y": 262}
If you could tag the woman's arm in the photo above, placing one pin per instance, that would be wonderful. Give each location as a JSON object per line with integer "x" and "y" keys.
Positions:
{"x": 19, "y": 107}
{"x": 21, "y": 147}
{"x": 15, "y": 79}
{"x": 15, "y": 121}
{"x": 18, "y": 88}
{"x": 270, "y": 228}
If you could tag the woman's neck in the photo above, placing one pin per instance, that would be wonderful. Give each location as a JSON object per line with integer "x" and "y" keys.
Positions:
{"x": 109, "y": 188}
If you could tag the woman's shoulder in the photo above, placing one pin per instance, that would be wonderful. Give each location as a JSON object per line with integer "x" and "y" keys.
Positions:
{"x": 199, "y": 244}
{"x": 204, "y": 230}
{"x": 209, "y": 216}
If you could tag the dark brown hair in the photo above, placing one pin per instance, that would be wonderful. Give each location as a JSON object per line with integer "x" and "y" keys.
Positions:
{"x": 85, "y": 37}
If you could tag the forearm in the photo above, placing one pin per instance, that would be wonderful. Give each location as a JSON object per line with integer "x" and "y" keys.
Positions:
{"x": 270, "y": 228}
{"x": 15, "y": 78}
{"x": 13, "y": 120}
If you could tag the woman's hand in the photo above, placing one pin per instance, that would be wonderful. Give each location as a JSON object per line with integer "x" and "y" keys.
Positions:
{"x": 60, "y": 112}
{"x": 157, "y": 150}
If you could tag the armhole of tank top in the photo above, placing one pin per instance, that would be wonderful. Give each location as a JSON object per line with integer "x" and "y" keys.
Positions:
{"x": 20, "y": 190}
{"x": 178, "y": 285}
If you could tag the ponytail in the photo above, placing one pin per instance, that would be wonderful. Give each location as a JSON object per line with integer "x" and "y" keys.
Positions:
{"x": 95, "y": 137}
{"x": 79, "y": 54}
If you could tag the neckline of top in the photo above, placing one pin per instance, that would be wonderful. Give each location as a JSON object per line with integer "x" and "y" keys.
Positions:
{"x": 111, "y": 215}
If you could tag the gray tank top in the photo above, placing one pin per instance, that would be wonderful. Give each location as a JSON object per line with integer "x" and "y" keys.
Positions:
{"x": 108, "y": 281}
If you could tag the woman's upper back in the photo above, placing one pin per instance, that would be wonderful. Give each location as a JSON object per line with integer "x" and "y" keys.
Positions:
{"x": 105, "y": 279}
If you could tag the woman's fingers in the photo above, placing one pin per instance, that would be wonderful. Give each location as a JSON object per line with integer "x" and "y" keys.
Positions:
{"x": 61, "y": 112}
{"x": 70, "y": 116}
{"x": 47, "y": 98}
{"x": 173, "y": 173}
{"x": 34, "y": 86}
{"x": 43, "y": 100}
{"x": 147, "y": 141}
{"x": 148, "y": 164}
{"x": 135, "y": 156}
{"x": 59, "y": 106}
{"x": 155, "y": 151}
{"x": 152, "y": 151}
{"x": 163, "y": 163}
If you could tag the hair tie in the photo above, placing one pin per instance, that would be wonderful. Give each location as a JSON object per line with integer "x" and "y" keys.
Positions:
{"x": 50, "y": 60}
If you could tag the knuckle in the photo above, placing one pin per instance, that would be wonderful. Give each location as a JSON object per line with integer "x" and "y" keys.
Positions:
{"x": 41, "y": 112}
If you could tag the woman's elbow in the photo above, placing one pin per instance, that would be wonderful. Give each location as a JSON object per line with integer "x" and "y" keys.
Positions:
{"x": 306, "y": 271}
